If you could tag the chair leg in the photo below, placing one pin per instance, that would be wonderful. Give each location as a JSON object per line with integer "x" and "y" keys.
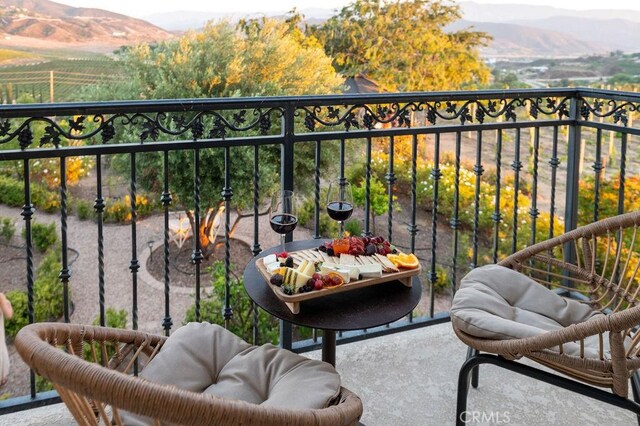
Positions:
{"x": 635, "y": 387}
{"x": 550, "y": 378}
{"x": 475, "y": 373}
{"x": 464, "y": 377}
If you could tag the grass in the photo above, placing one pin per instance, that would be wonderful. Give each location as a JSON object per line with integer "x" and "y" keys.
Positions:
{"x": 10, "y": 55}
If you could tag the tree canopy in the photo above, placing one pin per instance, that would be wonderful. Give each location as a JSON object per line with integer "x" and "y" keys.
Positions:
{"x": 404, "y": 45}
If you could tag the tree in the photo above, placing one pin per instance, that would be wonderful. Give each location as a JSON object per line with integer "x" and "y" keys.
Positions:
{"x": 404, "y": 46}
{"x": 254, "y": 58}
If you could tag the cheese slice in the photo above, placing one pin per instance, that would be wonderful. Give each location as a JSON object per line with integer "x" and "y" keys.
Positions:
{"x": 303, "y": 266}
{"x": 270, "y": 259}
{"x": 371, "y": 271}
{"x": 295, "y": 278}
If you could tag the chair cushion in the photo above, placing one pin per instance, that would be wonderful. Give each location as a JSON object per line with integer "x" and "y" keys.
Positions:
{"x": 495, "y": 302}
{"x": 203, "y": 357}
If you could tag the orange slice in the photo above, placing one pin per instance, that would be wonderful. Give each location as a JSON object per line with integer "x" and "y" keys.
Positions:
{"x": 334, "y": 277}
{"x": 408, "y": 261}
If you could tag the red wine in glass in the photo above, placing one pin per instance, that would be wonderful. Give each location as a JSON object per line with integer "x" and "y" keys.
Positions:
{"x": 340, "y": 201}
{"x": 283, "y": 214}
{"x": 339, "y": 210}
{"x": 283, "y": 223}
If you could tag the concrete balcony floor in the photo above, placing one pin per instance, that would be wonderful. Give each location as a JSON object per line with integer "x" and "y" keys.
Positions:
{"x": 410, "y": 379}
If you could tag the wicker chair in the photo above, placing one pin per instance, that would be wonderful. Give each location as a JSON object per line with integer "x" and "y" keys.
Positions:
{"x": 97, "y": 394}
{"x": 605, "y": 273}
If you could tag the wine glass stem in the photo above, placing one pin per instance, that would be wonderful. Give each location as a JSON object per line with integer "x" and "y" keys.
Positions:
{"x": 282, "y": 242}
{"x": 341, "y": 227}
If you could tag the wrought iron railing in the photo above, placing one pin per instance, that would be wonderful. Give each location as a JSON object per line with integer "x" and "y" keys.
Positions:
{"x": 418, "y": 133}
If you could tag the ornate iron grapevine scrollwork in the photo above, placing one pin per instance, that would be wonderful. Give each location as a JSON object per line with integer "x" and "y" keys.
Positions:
{"x": 618, "y": 111}
{"x": 364, "y": 116}
{"x": 197, "y": 125}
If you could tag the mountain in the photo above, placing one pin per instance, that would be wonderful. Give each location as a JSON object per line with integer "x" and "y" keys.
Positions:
{"x": 614, "y": 34}
{"x": 516, "y": 12}
{"x": 521, "y": 41}
{"x": 55, "y": 23}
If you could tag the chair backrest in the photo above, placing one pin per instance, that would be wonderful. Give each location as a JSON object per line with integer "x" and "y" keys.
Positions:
{"x": 94, "y": 370}
{"x": 601, "y": 261}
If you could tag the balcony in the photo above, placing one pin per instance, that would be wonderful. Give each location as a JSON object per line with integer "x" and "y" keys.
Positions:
{"x": 476, "y": 176}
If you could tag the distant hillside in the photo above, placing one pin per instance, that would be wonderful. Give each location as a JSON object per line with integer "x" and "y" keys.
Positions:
{"x": 517, "y": 41}
{"x": 614, "y": 34}
{"x": 57, "y": 23}
{"x": 514, "y": 12}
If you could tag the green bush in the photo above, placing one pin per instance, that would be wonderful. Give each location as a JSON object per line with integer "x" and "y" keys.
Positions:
{"x": 241, "y": 323}
{"x": 353, "y": 227}
{"x": 19, "y": 303}
{"x": 12, "y": 194}
{"x": 43, "y": 236}
{"x": 48, "y": 296}
{"x": 306, "y": 216}
{"x": 84, "y": 209}
{"x": 7, "y": 229}
{"x": 48, "y": 290}
{"x": 119, "y": 210}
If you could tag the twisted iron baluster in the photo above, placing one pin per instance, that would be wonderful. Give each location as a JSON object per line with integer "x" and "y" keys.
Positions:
{"x": 623, "y": 168}
{"x": 256, "y": 229}
{"x": 554, "y": 162}
{"x": 516, "y": 166}
{"x": 27, "y": 212}
{"x": 99, "y": 206}
{"x": 597, "y": 169}
{"x": 391, "y": 178}
{"x": 65, "y": 274}
{"x": 412, "y": 227}
{"x": 533, "y": 210}
{"x": 196, "y": 256}
{"x": 478, "y": 170}
{"x": 497, "y": 216}
{"x": 436, "y": 174}
{"x": 316, "y": 193}
{"x": 342, "y": 180}
{"x": 227, "y": 193}
{"x": 135, "y": 264}
{"x": 455, "y": 221}
{"x": 166, "y": 202}
{"x": 367, "y": 191}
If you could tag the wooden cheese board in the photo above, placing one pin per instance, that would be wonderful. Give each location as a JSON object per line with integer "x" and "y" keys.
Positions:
{"x": 293, "y": 301}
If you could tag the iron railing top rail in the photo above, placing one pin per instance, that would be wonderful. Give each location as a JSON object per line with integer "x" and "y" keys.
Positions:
{"x": 186, "y": 105}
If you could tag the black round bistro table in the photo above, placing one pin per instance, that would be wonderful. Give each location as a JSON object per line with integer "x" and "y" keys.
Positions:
{"x": 366, "y": 307}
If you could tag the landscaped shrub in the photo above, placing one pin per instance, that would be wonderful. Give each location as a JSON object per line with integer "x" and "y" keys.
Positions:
{"x": 48, "y": 290}
{"x": 84, "y": 209}
{"x": 353, "y": 227}
{"x": 43, "y": 236}
{"x": 120, "y": 210}
{"x": 12, "y": 194}
{"x": 48, "y": 296}
{"x": 306, "y": 216}
{"x": 20, "y": 317}
{"x": 7, "y": 229}
{"x": 241, "y": 323}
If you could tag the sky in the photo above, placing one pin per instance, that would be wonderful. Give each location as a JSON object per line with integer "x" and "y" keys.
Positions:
{"x": 142, "y": 8}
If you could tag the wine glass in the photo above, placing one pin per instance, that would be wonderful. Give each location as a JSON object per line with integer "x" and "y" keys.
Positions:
{"x": 340, "y": 201}
{"x": 283, "y": 214}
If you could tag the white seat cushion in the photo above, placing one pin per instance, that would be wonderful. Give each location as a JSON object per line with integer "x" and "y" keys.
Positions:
{"x": 495, "y": 302}
{"x": 202, "y": 357}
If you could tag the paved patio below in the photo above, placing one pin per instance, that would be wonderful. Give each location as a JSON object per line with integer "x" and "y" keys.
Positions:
{"x": 410, "y": 379}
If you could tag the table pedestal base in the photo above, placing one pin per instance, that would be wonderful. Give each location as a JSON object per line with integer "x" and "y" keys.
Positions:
{"x": 329, "y": 346}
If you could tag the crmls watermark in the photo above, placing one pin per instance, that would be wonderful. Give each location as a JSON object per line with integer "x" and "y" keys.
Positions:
{"x": 484, "y": 417}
